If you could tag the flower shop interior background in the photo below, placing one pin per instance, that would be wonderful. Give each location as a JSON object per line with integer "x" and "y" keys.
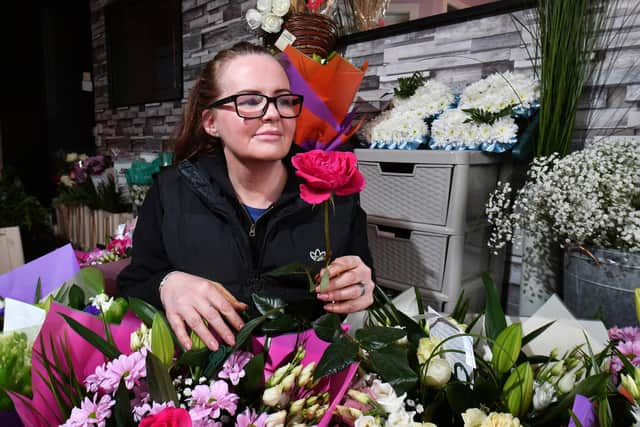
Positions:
{"x": 62, "y": 101}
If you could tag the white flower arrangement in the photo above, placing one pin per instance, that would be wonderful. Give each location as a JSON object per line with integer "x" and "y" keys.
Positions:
{"x": 589, "y": 198}
{"x": 499, "y": 91}
{"x": 405, "y": 123}
{"x": 268, "y": 15}
{"x": 454, "y": 130}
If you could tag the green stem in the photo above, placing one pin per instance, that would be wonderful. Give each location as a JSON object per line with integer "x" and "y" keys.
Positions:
{"x": 327, "y": 237}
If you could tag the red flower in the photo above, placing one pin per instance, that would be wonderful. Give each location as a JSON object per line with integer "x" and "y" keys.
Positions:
{"x": 314, "y": 5}
{"x": 327, "y": 172}
{"x": 168, "y": 417}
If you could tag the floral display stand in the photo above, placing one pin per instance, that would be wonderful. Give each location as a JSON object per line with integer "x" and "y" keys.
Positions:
{"x": 86, "y": 227}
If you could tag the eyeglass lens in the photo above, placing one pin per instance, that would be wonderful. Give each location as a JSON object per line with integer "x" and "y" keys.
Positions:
{"x": 255, "y": 105}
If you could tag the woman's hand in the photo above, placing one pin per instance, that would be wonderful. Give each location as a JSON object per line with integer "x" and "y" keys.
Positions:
{"x": 192, "y": 300}
{"x": 350, "y": 286}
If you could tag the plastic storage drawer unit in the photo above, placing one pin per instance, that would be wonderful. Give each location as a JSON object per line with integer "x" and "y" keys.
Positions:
{"x": 426, "y": 222}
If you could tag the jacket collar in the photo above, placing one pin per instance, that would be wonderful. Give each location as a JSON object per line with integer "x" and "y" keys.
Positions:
{"x": 208, "y": 177}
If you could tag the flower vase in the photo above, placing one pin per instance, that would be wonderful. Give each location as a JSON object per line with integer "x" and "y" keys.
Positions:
{"x": 541, "y": 269}
{"x": 601, "y": 284}
{"x": 315, "y": 33}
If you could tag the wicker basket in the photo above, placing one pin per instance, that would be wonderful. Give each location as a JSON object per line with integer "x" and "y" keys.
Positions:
{"x": 315, "y": 33}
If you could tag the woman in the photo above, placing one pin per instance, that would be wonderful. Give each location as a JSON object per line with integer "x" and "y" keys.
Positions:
{"x": 230, "y": 211}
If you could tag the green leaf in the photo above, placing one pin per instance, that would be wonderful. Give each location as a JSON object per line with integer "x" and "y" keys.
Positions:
{"x": 91, "y": 279}
{"x": 122, "y": 409}
{"x": 249, "y": 327}
{"x": 161, "y": 342}
{"x": 281, "y": 324}
{"x": 216, "y": 359}
{"x": 92, "y": 338}
{"x": 376, "y": 337}
{"x": 327, "y": 327}
{"x": 38, "y": 294}
{"x": 143, "y": 310}
{"x": 252, "y": 382}
{"x": 267, "y": 304}
{"x": 76, "y": 297}
{"x": 494, "y": 319}
{"x": 194, "y": 358}
{"x": 518, "y": 390}
{"x": 534, "y": 334}
{"x": 506, "y": 348}
{"x": 336, "y": 357}
{"x": 161, "y": 387}
{"x": 412, "y": 328}
{"x": 392, "y": 364}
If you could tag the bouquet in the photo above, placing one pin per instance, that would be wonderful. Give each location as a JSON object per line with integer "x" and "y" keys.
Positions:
{"x": 119, "y": 247}
{"x": 94, "y": 370}
{"x": 423, "y": 367}
{"x": 268, "y": 16}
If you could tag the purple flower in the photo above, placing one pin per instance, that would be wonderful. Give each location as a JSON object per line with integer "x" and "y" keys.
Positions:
{"x": 209, "y": 401}
{"x": 131, "y": 368}
{"x": 91, "y": 413}
{"x": 94, "y": 381}
{"x": 233, "y": 367}
{"x": 631, "y": 349}
{"x": 92, "y": 309}
{"x": 249, "y": 417}
{"x": 629, "y": 333}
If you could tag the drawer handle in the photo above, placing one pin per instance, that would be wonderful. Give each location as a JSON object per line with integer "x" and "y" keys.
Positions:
{"x": 391, "y": 167}
{"x": 388, "y": 232}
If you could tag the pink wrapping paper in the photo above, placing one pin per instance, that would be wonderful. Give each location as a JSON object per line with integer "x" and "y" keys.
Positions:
{"x": 42, "y": 411}
{"x": 283, "y": 346}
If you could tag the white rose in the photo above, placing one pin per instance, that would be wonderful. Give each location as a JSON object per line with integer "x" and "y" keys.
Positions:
{"x": 272, "y": 395}
{"x": 473, "y": 417}
{"x": 264, "y": 5}
{"x": 254, "y": 19}
{"x": 276, "y": 419}
{"x": 271, "y": 23}
{"x": 71, "y": 157}
{"x": 366, "y": 421}
{"x": 399, "y": 418}
{"x": 496, "y": 419}
{"x": 83, "y": 157}
{"x": 386, "y": 396}
{"x": 543, "y": 396}
{"x": 280, "y": 7}
{"x": 438, "y": 373}
{"x": 425, "y": 348}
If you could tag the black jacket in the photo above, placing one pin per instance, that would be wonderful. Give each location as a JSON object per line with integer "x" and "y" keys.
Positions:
{"x": 191, "y": 221}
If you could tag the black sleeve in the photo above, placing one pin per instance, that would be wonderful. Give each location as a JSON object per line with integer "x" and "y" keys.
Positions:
{"x": 359, "y": 241}
{"x": 149, "y": 261}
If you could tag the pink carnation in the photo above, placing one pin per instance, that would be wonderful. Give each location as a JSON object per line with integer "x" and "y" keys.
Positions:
{"x": 209, "y": 401}
{"x": 629, "y": 333}
{"x": 249, "y": 417}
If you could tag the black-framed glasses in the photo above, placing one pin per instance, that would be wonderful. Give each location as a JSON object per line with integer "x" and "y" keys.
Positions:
{"x": 255, "y": 105}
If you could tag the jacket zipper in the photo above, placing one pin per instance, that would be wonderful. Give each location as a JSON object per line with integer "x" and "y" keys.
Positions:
{"x": 252, "y": 227}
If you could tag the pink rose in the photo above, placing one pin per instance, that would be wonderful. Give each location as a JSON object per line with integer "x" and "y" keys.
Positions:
{"x": 168, "y": 417}
{"x": 327, "y": 172}
{"x": 119, "y": 245}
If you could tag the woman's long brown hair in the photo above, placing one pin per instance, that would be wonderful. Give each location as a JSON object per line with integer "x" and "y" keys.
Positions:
{"x": 190, "y": 138}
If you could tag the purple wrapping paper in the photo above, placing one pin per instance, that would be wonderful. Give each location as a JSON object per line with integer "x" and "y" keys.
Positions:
{"x": 53, "y": 269}
{"x": 583, "y": 409}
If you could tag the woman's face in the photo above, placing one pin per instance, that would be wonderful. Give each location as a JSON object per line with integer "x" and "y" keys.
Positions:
{"x": 267, "y": 138}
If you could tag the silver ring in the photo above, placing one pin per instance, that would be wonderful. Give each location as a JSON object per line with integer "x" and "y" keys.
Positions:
{"x": 363, "y": 289}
